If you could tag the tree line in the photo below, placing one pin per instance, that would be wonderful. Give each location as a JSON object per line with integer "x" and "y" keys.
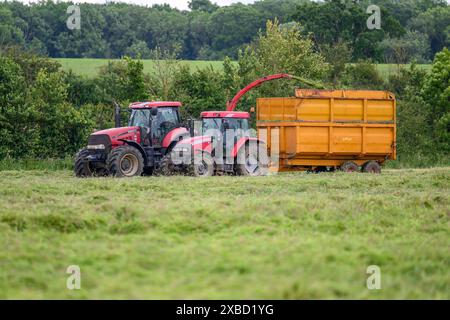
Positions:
{"x": 410, "y": 29}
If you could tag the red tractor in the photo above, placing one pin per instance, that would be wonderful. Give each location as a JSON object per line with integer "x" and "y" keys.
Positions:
{"x": 153, "y": 130}
{"x": 224, "y": 145}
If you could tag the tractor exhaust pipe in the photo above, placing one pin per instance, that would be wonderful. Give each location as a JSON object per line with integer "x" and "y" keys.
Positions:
{"x": 116, "y": 115}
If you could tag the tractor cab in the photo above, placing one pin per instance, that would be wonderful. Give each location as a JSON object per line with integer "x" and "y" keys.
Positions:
{"x": 156, "y": 120}
{"x": 225, "y": 121}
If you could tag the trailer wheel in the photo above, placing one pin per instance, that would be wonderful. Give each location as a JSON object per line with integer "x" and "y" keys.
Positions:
{"x": 256, "y": 161}
{"x": 349, "y": 166}
{"x": 203, "y": 166}
{"x": 125, "y": 161}
{"x": 371, "y": 167}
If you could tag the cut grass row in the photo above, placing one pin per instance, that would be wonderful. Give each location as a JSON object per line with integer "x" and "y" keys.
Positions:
{"x": 289, "y": 236}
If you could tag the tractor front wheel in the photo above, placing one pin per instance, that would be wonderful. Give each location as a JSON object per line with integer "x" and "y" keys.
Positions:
{"x": 82, "y": 168}
{"x": 252, "y": 160}
{"x": 165, "y": 167}
{"x": 203, "y": 166}
{"x": 125, "y": 161}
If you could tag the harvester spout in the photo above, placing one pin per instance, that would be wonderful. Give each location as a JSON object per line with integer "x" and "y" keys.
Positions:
{"x": 231, "y": 105}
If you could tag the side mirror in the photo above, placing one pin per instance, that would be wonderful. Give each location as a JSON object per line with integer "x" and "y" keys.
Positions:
{"x": 154, "y": 111}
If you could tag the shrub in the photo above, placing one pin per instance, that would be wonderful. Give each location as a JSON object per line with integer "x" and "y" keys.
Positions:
{"x": 362, "y": 75}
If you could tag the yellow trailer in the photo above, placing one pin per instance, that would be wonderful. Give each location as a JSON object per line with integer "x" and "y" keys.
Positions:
{"x": 327, "y": 129}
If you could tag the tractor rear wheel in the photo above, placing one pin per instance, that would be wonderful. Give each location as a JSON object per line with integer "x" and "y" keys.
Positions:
{"x": 371, "y": 167}
{"x": 203, "y": 166}
{"x": 349, "y": 166}
{"x": 125, "y": 161}
{"x": 82, "y": 169}
{"x": 256, "y": 161}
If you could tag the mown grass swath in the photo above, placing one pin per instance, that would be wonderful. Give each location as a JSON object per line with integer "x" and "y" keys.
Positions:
{"x": 295, "y": 236}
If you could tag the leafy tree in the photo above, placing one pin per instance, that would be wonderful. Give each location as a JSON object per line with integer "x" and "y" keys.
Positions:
{"x": 436, "y": 92}
{"x": 199, "y": 36}
{"x": 337, "y": 56}
{"x": 202, "y": 5}
{"x": 363, "y": 75}
{"x": 435, "y": 22}
{"x": 62, "y": 128}
{"x": 412, "y": 46}
{"x": 279, "y": 50}
{"x": 283, "y": 50}
{"x": 165, "y": 68}
{"x": 233, "y": 26}
{"x": 138, "y": 50}
{"x": 14, "y": 113}
{"x": 199, "y": 90}
{"x": 337, "y": 21}
{"x": 10, "y": 35}
{"x": 135, "y": 80}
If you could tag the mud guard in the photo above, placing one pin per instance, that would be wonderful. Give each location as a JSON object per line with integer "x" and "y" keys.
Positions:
{"x": 242, "y": 142}
{"x": 137, "y": 146}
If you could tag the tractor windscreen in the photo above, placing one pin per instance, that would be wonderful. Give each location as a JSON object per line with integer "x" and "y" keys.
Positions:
{"x": 140, "y": 118}
{"x": 218, "y": 124}
{"x": 157, "y": 125}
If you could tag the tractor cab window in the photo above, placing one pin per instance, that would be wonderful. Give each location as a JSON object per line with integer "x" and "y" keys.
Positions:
{"x": 209, "y": 124}
{"x": 157, "y": 125}
{"x": 223, "y": 124}
{"x": 165, "y": 120}
{"x": 234, "y": 124}
{"x": 140, "y": 118}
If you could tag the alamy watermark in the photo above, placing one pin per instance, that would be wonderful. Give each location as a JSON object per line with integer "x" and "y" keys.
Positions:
{"x": 374, "y": 21}
{"x": 73, "y": 22}
{"x": 374, "y": 280}
{"x": 74, "y": 280}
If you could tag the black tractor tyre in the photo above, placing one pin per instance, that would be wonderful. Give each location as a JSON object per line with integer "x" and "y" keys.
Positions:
{"x": 165, "y": 167}
{"x": 349, "y": 166}
{"x": 202, "y": 166}
{"x": 125, "y": 161}
{"x": 81, "y": 167}
{"x": 371, "y": 167}
{"x": 256, "y": 160}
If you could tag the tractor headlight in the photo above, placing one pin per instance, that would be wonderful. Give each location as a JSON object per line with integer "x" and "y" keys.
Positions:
{"x": 96, "y": 146}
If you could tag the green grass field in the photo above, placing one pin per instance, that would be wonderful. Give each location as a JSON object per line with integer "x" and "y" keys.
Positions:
{"x": 294, "y": 236}
{"x": 90, "y": 67}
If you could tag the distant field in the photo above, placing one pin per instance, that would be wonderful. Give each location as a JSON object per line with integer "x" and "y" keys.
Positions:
{"x": 388, "y": 69}
{"x": 293, "y": 236}
{"x": 90, "y": 67}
